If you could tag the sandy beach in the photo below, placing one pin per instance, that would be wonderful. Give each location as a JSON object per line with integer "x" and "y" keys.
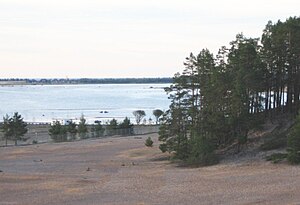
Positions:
{"x": 122, "y": 170}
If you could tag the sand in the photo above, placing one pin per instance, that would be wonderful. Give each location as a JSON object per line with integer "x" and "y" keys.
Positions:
{"x": 123, "y": 171}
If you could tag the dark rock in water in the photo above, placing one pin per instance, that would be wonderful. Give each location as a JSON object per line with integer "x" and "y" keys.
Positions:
{"x": 105, "y": 111}
{"x": 101, "y": 111}
{"x": 1, "y": 170}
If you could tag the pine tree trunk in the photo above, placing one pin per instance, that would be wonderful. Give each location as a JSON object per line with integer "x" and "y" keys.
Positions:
{"x": 289, "y": 98}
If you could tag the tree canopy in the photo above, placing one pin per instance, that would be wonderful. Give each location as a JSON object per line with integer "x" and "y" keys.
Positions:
{"x": 14, "y": 128}
{"x": 157, "y": 114}
{"x": 139, "y": 115}
{"x": 216, "y": 100}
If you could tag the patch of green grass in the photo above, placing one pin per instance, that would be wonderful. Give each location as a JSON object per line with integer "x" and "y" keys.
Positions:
{"x": 276, "y": 157}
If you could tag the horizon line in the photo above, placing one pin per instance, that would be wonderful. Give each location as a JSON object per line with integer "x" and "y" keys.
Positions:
{"x": 66, "y": 78}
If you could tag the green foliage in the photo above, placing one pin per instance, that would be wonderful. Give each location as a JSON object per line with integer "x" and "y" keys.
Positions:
{"x": 274, "y": 141}
{"x": 97, "y": 130}
{"x": 149, "y": 142}
{"x": 125, "y": 127}
{"x": 111, "y": 127}
{"x": 14, "y": 128}
{"x": 113, "y": 124}
{"x": 280, "y": 51}
{"x": 58, "y": 132}
{"x": 164, "y": 134}
{"x": 202, "y": 152}
{"x": 276, "y": 157}
{"x": 181, "y": 147}
{"x": 293, "y": 157}
{"x": 72, "y": 129}
{"x": 125, "y": 124}
{"x": 5, "y": 128}
{"x": 139, "y": 115}
{"x": 17, "y": 127}
{"x": 190, "y": 113}
{"x": 293, "y": 143}
{"x": 221, "y": 99}
{"x": 163, "y": 148}
{"x": 82, "y": 128}
{"x": 174, "y": 138}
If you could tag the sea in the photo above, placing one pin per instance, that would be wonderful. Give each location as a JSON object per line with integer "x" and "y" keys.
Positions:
{"x": 96, "y": 102}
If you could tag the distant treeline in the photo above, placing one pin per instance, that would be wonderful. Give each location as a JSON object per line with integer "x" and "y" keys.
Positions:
{"x": 57, "y": 81}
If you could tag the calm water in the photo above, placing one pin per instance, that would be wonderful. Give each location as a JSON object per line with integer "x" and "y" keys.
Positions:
{"x": 46, "y": 103}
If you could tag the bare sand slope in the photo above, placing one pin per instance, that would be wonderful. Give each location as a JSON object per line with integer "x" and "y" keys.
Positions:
{"x": 123, "y": 171}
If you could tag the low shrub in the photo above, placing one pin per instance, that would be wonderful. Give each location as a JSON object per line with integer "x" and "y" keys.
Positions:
{"x": 274, "y": 141}
{"x": 149, "y": 142}
{"x": 293, "y": 143}
{"x": 276, "y": 157}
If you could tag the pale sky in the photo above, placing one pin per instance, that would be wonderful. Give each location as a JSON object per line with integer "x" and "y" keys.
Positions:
{"x": 122, "y": 38}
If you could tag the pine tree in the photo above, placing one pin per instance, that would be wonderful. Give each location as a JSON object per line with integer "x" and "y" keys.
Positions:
{"x": 5, "y": 128}
{"x": 125, "y": 127}
{"x": 82, "y": 128}
{"x": 149, "y": 142}
{"x": 125, "y": 124}
{"x": 17, "y": 128}
{"x": 71, "y": 128}
{"x": 112, "y": 127}
{"x": 216, "y": 102}
{"x": 97, "y": 130}
{"x": 58, "y": 132}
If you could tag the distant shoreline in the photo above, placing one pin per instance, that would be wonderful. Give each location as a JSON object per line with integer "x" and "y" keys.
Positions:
{"x": 12, "y": 83}
{"x": 79, "y": 81}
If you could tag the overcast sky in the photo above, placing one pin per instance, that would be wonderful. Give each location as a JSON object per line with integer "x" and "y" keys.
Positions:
{"x": 122, "y": 38}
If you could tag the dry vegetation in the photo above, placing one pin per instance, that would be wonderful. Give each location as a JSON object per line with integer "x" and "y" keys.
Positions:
{"x": 124, "y": 171}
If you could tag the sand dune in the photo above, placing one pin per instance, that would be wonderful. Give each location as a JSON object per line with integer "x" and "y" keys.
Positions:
{"x": 124, "y": 171}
